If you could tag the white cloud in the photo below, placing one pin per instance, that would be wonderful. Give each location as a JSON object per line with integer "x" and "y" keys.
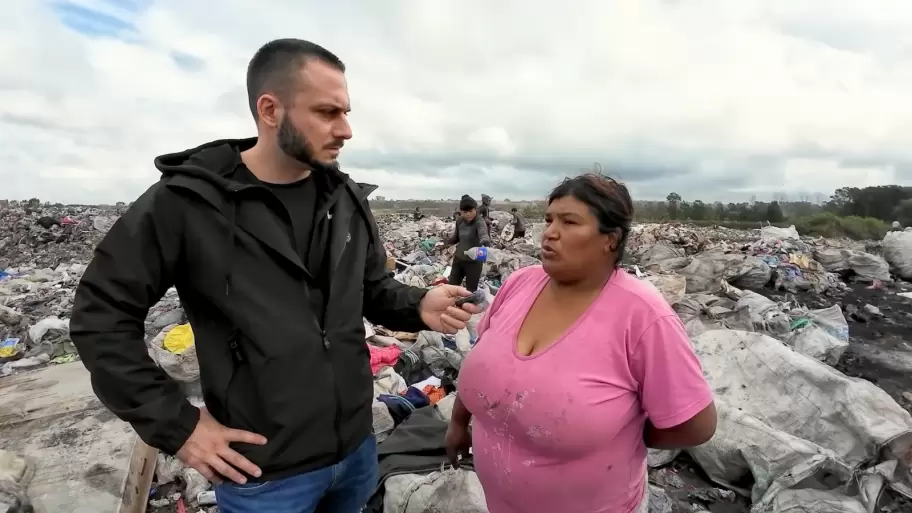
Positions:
{"x": 711, "y": 99}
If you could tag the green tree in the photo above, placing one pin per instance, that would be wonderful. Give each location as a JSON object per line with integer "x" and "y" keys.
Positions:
{"x": 774, "y": 213}
{"x": 674, "y": 203}
{"x": 719, "y": 210}
{"x": 699, "y": 211}
{"x": 903, "y": 212}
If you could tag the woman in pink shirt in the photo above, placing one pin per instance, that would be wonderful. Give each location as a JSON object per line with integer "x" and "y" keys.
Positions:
{"x": 579, "y": 367}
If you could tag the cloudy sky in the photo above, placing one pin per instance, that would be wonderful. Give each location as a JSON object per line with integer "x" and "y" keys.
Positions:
{"x": 711, "y": 99}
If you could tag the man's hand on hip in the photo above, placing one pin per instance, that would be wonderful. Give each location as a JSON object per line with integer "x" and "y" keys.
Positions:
{"x": 208, "y": 451}
{"x": 439, "y": 311}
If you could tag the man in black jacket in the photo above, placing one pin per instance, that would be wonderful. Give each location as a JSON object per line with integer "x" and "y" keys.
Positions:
{"x": 276, "y": 257}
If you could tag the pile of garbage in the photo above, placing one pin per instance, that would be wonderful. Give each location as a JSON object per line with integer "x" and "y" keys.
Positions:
{"x": 795, "y": 434}
{"x": 43, "y": 253}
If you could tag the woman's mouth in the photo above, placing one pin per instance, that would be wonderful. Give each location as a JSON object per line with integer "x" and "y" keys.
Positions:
{"x": 547, "y": 251}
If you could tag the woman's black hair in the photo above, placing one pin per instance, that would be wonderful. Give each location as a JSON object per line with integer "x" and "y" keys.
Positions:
{"x": 608, "y": 200}
{"x": 467, "y": 203}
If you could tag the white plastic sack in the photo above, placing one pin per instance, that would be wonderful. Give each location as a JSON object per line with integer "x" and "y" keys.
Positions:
{"x": 867, "y": 267}
{"x": 765, "y": 314}
{"x": 825, "y": 338}
{"x": 37, "y": 332}
{"x": 450, "y": 491}
{"x": 774, "y": 233}
{"x": 706, "y": 271}
{"x": 104, "y": 223}
{"x": 660, "y": 251}
{"x": 789, "y": 392}
{"x": 699, "y": 313}
{"x": 183, "y": 368}
{"x": 671, "y": 286}
{"x": 383, "y": 421}
{"x": 778, "y": 461}
{"x": 897, "y": 251}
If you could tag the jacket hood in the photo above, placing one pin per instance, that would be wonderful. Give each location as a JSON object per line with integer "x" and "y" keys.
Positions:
{"x": 215, "y": 163}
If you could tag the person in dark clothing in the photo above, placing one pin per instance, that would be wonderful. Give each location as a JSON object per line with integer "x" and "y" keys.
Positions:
{"x": 276, "y": 257}
{"x": 519, "y": 225}
{"x": 484, "y": 210}
{"x": 471, "y": 232}
{"x": 417, "y": 215}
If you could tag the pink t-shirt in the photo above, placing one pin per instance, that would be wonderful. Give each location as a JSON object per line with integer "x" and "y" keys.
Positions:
{"x": 562, "y": 430}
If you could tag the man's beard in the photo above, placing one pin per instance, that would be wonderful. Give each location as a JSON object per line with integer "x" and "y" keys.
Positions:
{"x": 293, "y": 144}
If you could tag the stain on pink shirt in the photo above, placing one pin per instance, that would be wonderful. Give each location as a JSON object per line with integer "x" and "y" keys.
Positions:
{"x": 562, "y": 430}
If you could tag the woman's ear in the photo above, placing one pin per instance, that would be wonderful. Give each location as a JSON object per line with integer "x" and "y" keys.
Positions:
{"x": 611, "y": 243}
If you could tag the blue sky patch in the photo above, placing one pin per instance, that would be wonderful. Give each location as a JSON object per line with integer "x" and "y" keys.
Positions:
{"x": 111, "y": 18}
{"x": 187, "y": 62}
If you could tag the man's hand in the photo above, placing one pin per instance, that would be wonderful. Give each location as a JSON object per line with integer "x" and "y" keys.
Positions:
{"x": 207, "y": 450}
{"x": 439, "y": 311}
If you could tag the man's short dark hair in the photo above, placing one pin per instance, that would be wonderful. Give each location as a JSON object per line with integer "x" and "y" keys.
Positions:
{"x": 274, "y": 67}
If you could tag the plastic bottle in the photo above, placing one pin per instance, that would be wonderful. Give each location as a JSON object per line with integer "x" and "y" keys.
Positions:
{"x": 479, "y": 254}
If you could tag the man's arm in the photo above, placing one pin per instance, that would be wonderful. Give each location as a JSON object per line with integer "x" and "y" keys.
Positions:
{"x": 132, "y": 269}
{"x": 387, "y": 302}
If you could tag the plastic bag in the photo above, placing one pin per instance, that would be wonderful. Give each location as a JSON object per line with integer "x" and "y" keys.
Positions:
{"x": 183, "y": 367}
{"x": 179, "y": 339}
{"x": 451, "y": 490}
{"x": 671, "y": 286}
{"x": 897, "y": 251}
{"x": 774, "y": 233}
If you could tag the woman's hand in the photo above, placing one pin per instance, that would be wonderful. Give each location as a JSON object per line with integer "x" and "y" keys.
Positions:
{"x": 458, "y": 442}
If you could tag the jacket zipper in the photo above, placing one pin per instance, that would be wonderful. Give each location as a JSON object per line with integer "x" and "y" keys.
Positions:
{"x": 337, "y": 395}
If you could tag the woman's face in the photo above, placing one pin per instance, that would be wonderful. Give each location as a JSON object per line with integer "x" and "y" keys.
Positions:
{"x": 572, "y": 246}
{"x": 468, "y": 215}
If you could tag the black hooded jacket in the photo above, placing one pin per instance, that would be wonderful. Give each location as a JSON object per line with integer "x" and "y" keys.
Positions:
{"x": 271, "y": 362}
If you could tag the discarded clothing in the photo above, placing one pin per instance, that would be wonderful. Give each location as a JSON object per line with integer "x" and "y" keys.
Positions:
{"x": 382, "y": 357}
{"x": 415, "y": 447}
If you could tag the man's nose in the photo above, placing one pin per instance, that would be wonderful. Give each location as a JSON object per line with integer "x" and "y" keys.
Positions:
{"x": 342, "y": 130}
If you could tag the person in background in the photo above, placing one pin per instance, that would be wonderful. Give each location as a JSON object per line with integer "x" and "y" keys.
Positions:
{"x": 484, "y": 210}
{"x": 276, "y": 256}
{"x": 417, "y": 215}
{"x": 470, "y": 232}
{"x": 519, "y": 225}
{"x": 621, "y": 373}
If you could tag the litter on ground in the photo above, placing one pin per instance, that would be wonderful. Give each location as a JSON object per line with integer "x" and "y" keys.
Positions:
{"x": 804, "y": 341}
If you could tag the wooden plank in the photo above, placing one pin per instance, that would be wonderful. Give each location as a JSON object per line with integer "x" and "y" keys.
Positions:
{"x": 139, "y": 478}
{"x": 87, "y": 460}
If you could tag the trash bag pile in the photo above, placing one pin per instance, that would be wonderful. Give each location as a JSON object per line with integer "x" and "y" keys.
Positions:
{"x": 794, "y": 435}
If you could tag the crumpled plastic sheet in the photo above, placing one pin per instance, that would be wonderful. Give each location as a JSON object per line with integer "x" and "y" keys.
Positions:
{"x": 866, "y": 266}
{"x": 446, "y": 491}
{"x": 897, "y": 250}
{"x": 16, "y": 472}
{"x": 707, "y": 270}
{"x": 793, "y": 417}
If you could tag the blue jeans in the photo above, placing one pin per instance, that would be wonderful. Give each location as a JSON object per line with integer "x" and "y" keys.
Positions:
{"x": 341, "y": 488}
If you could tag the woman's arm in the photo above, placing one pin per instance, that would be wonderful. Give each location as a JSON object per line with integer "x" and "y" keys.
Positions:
{"x": 673, "y": 391}
{"x": 696, "y": 431}
{"x": 461, "y": 415}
